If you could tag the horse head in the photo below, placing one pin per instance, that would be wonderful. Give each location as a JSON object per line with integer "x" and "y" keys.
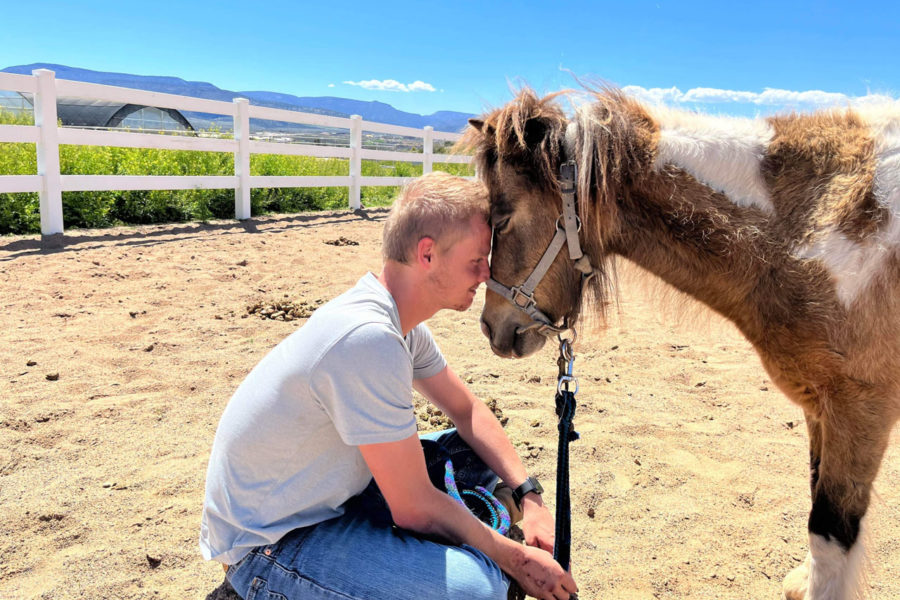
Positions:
{"x": 519, "y": 150}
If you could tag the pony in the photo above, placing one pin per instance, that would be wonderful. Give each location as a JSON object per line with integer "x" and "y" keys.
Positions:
{"x": 788, "y": 226}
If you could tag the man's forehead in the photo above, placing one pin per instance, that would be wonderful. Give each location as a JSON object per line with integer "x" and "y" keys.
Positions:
{"x": 482, "y": 233}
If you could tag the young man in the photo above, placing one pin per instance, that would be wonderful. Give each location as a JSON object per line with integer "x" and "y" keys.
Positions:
{"x": 318, "y": 485}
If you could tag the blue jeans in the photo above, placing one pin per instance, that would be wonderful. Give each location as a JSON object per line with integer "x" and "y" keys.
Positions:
{"x": 362, "y": 556}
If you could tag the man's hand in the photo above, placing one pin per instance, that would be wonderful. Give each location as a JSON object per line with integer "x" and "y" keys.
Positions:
{"x": 540, "y": 576}
{"x": 538, "y": 523}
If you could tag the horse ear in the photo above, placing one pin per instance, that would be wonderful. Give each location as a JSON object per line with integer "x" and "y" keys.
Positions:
{"x": 477, "y": 124}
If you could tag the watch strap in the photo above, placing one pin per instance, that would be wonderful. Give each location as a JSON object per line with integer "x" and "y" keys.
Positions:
{"x": 530, "y": 485}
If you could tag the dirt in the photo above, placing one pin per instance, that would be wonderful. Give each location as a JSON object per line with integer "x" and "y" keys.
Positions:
{"x": 122, "y": 347}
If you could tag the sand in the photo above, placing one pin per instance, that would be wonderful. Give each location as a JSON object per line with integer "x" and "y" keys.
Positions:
{"x": 121, "y": 348}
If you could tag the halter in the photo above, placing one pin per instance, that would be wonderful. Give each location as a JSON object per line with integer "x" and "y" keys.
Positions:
{"x": 567, "y": 227}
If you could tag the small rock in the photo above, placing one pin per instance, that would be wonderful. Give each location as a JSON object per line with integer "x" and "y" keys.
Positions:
{"x": 149, "y": 348}
{"x": 109, "y": 484}
{"x": 535, "y": 423}
{"x": 153, "y": 562}
{"x": 52, "y": 376}
{"x": 243, "y": 263}
{"x": 590, "y": 513}
{"x": 30, "y": 363}
{"x": 637, "y": 461}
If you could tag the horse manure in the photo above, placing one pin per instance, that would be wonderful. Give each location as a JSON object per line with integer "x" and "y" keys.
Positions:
{"x": 342, "y": 241}
{"x": 284, "y": 310}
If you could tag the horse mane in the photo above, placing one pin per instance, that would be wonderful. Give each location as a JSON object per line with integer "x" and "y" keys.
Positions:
{"x": 529, "y": 129}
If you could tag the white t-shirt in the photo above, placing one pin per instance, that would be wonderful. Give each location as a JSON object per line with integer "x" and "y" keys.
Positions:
{"x": 285, "y": 453}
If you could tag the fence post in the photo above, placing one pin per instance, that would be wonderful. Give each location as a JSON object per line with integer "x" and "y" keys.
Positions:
{"x": 45, "y": 118}
{"x": 355, "y": 160}
{"x": 242, "y": 158}
{"x": 428, "y": 150}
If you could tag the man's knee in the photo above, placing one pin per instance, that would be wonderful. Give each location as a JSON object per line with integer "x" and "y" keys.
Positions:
{"x": 476, "y": 577}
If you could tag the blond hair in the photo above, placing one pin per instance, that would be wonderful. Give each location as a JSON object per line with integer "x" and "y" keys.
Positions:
{"x": 438, "y": 206}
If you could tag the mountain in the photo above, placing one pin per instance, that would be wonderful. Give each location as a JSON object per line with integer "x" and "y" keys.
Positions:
{"x": 378, "y": 112}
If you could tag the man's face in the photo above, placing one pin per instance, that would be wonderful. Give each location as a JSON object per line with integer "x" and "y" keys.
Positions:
{"x": 461, "y": 268}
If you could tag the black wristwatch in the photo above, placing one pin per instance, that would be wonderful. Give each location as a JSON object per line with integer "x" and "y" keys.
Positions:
{"x": 531, "y": 485}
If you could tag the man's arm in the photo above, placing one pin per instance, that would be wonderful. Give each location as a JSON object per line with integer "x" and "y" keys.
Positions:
{"x": 482, "y": 431}
{"x": 415, "y": 504}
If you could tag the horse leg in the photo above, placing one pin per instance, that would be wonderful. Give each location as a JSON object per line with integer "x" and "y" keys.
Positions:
{"x": 797, "y": 581}
{"x": 847, "y": 442}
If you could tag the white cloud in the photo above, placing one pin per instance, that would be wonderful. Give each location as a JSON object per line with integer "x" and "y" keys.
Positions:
{"x": 421, "y": 86}
{"x": 392, "y": 85}
{"x": 330, "y": 85}
{"x": 769, "y": 97}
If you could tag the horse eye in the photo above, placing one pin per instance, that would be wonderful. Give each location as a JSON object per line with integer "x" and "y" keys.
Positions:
{"x": 501, "y": 224}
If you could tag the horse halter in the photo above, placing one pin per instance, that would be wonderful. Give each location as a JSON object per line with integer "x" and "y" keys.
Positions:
{"x": 567, "y": 227}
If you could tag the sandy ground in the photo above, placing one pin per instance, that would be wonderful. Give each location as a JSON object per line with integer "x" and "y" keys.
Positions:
{"x": 121, "y": 348}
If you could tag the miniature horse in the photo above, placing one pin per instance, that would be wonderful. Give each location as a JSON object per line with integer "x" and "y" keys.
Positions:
{"x": 788, "y": 226}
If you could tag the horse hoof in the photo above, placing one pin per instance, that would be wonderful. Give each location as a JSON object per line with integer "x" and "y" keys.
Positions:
{"x": 796, "y": 584}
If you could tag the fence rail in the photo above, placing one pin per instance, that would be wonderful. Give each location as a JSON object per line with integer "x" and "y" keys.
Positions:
{"x": 49, "y": 183}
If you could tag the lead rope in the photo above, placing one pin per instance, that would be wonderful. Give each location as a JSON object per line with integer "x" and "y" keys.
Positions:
{"x": 565, "y": 410}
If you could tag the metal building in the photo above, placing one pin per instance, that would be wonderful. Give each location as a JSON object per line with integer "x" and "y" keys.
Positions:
{"x": 80, "y": 112}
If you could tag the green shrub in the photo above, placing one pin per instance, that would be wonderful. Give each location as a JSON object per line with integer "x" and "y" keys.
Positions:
{"x": 19, "y": 213}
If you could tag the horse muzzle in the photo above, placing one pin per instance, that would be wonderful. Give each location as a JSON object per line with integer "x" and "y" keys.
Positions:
{"x": 510, "y": 338}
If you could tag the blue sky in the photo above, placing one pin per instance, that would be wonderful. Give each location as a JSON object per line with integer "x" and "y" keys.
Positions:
{"x": 422, "y": 57}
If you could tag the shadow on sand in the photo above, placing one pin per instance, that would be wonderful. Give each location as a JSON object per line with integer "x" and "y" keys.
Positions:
{"x": 149, "y": 235}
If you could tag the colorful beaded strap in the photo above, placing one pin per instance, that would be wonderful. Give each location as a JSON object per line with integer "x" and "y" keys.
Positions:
{"x": 499, "y": 516}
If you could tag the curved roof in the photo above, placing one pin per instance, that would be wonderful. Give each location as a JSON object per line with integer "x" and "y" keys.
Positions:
{"x": 81, "y": 112}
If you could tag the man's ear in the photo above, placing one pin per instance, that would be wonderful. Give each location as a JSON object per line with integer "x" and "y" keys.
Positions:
{"x": 425, "y": 251}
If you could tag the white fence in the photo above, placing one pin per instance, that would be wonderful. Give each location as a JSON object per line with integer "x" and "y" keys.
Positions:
{"x": 47, "y": 137}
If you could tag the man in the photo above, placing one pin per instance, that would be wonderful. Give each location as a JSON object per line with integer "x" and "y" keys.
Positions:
{"x": 291, "y": 504}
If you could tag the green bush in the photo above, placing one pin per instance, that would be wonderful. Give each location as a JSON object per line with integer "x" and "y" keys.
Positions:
{"x": 19, "y": 213}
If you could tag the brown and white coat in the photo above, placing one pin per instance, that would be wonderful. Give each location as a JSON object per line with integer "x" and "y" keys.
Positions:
{"x": 789, "y": 226}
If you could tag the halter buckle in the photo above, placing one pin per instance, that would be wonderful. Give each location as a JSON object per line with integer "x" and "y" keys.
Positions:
{"x": 522, "y": 299}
